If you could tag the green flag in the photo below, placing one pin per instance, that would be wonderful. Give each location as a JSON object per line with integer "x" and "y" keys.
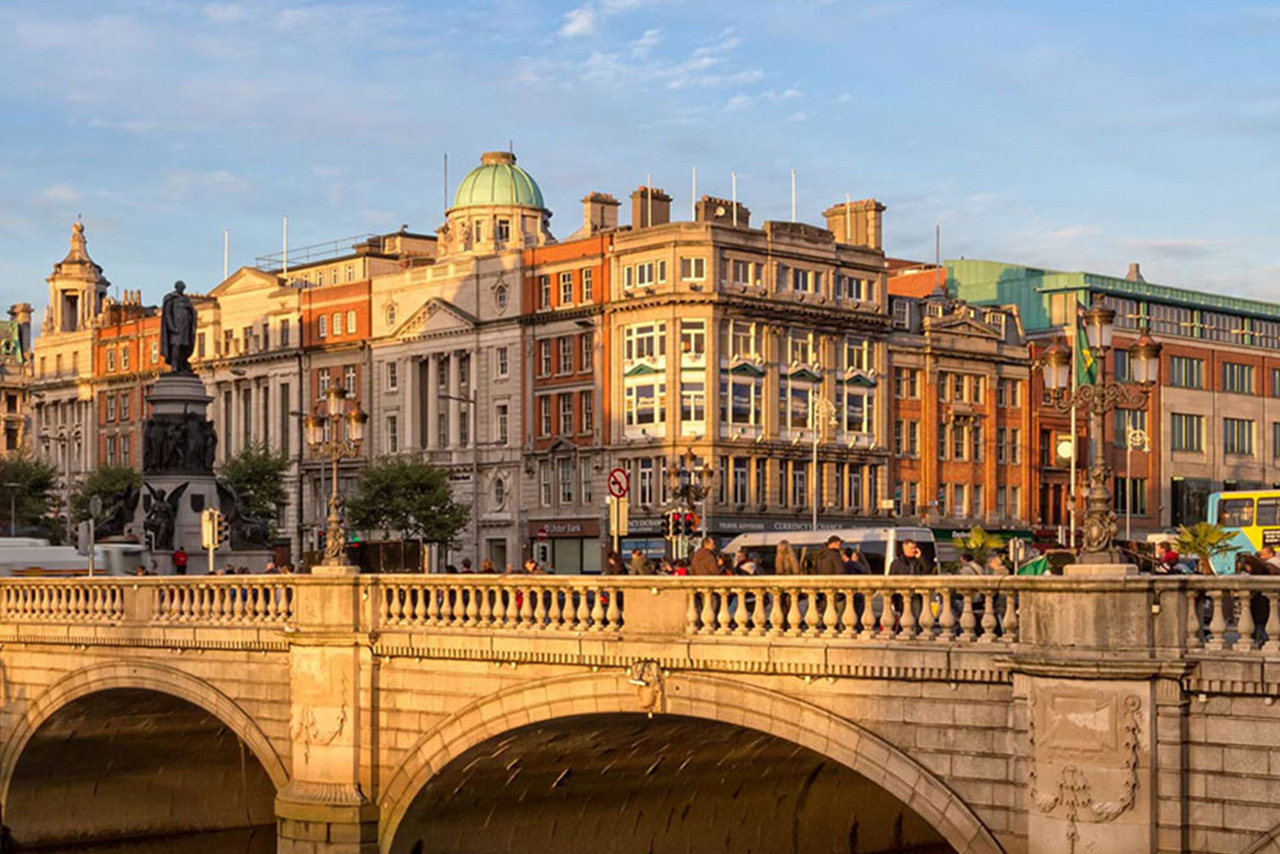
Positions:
{"x": 1086, "y": 364}
{"x": 1035, "y": 566}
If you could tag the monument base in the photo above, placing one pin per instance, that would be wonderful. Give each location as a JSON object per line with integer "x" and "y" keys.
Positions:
{"x": 334, "y": 570}
{"x": 1100, "y": 570}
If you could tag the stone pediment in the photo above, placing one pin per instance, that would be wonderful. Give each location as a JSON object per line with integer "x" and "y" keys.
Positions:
{"x": 244, "y": 280}
{"x": 436, "y": 317}
{"x": 961, "y": 325}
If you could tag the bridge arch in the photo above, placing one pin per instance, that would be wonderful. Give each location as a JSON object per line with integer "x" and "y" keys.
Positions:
{"x": 144, "y": 676}
{"x": 695, "y": 696}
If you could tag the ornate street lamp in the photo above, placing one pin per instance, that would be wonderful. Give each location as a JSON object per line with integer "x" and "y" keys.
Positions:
{"x": 1097, "y": 400}
{"x": 341, "y": 444}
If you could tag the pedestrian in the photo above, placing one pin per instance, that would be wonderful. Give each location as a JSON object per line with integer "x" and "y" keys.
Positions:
{"x": 681, "y": 567}
{"x": 179, "y": 561}
{"x": 854, "y": 563}
{"x": 614, "y": 566}
{"x": 1167, "y": 557}
{"x": 487, "y": 567}
{"x": 666, "y": 567}
{"x": 270, "y": 568}
{"x": 995, "y": 566}
{"x": 704, "y": 559}
{"x": 466, "y": 565}
{"x": 909, "y": 562}
{"x": 640, "y": 564}
{"x": 744, "y": 564}
{"x": 830, "y": 561}
{"x": 139, "y": 570}
{"x": 969, "y": 566}
{"x": 784, "y": 560}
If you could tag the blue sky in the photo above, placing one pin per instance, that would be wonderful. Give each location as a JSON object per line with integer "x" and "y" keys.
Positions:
{"x": 1078, "y": 135}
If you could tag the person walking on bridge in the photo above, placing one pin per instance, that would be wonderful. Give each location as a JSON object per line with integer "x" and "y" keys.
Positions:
{"x": 830, "y": 561}
{"x": 704, "y": 559}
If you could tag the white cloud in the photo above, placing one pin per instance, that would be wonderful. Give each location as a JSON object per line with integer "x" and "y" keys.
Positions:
{"x": 738, "y": 102}
{"x": 1071, "y": 232}
{"x": 59, "y": 194}
{"x": 224, "y": 13}
{"x": 579, "y": 22}
{"x": 644, "y": 45}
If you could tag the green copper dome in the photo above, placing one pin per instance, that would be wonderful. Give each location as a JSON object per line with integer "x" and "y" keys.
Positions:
{"x": 498, "y": 181}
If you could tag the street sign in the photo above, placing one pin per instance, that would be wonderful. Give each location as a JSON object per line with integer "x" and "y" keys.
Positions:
{"x": 619, "y": 483}
{"x": 542, "y": 534}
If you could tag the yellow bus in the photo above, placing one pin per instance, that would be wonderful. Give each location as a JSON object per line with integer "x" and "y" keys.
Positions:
{"x": 1253, "y": 519}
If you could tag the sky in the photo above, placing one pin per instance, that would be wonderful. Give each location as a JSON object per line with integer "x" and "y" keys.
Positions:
{"x": 1072, "y": 135}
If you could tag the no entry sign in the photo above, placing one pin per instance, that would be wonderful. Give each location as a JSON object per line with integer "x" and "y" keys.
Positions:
{"x": 619, "y": 483}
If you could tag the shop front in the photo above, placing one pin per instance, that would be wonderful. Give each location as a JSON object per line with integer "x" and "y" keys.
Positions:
{"x": 566, "y": 546}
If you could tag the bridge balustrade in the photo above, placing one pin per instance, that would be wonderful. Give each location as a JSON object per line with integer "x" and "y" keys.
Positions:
{"x": 62, "y": 600}
{"x": 541, "y": 603}
{"x": 234, "y": 600}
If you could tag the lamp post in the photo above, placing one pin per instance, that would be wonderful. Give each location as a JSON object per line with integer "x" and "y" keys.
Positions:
{"x": 1134, "y": 440}
{"x": 691, "y": 485}
{"x": 64, "y": 465}
{"x": 821, "y": 412}
{"x": 341, "y": 444}
{"x": 1098, "y": 399}
{"x": 13, "y": 487}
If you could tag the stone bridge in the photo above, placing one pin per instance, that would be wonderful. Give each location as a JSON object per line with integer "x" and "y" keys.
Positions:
{"x": 415, "y": 714}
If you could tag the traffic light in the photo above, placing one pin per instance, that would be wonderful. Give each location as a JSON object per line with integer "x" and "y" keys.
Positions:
{"x": 675, "y": 527}
{"x": 690, "y": 523}
{"x": 666, "y": 527}
{"x": 213, "y": 529}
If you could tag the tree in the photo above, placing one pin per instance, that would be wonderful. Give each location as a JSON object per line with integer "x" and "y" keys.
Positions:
{"x": 1206, "y": 540}
{"x": 408, "y": 497}
{"x": 28, "y": 485}
{"x": 257, "y": 477}
{"x": 106, "y": 483}
{"x": 979, "y": 543}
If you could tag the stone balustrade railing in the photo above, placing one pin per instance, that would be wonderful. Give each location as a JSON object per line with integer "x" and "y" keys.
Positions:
{"x": 1201, "y": 616}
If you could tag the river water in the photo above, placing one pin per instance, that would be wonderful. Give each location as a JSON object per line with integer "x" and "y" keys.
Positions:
{"x": 254, "y": 840}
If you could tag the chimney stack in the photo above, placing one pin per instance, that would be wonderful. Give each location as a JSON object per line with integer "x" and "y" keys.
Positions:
{"x": 857, "y": 223}
{"x": 1135, "y": 273}
{"x": 599, "y": 213}
{"x": 641, "y": 207}
{"x": 712, "y": 209}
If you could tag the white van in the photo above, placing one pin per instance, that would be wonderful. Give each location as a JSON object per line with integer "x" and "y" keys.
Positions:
{"x": 878, "y": 546}
{"x": 38, "y": 559}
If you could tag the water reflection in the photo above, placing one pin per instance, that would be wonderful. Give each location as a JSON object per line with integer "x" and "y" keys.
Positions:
{"x": 249, "y": 840}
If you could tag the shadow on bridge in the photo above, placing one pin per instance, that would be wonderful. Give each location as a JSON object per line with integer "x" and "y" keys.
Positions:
{"x": 139, "y": 765}
{"x": 623, "y": 783}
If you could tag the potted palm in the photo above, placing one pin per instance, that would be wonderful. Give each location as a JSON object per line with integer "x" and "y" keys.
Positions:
{"x": 1205, "y": 541}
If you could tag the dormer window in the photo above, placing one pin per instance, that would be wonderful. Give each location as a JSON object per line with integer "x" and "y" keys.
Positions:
{"x": 503, "y": 232}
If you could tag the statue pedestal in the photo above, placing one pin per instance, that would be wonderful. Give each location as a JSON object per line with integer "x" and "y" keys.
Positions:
{"x": 178, "y": 450}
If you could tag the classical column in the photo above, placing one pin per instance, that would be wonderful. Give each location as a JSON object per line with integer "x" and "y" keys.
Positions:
{"x": 432, "y": 406}
{"x": 413, "y": 405}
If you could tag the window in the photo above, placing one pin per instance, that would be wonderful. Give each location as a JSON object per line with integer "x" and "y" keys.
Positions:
{"x": 852, "y": 288}
{"x": 544, "y": 415}
{"x": 1121, "y": 369}
{"x": 503, "y": 231}
{"x": 646, "y": 403}
{"x": 464, "y": 426}
{"x": 587, "y": 343}
{"x": 1186, "y": 432}
{"x": 645, "y": 341}
{"x": 693, "y": 337}
{"x": 1009, "y": 394}
{"x": 284, "y": 333}
{"x": 566, "y": 289}
{"x": 693, "y": 269}
{"x": 1237, "y": 378}
{"x": 1127, "y": 420}
{"x": 799, "y": 484}
{"x": 322, "y": 326}
{"x": 1007, "y": 445}
{"x": 566, "y": 355}
{"x": 111, "y": 450}
{"x": 393, "y": 435}
{"x": 901, "y": 314}
{"x": 350, "y": 272}
{"x": 584, "y": 480}
{"x": 544, "y": 357}
{"x": 349, "y": 379}
{"x": 337, "y": 323}
{"x": 741, "y": 400}
{"x": 799, "y": 347}
{"x": 1275, "y": 440}
{"x": 564, "y": 473}
{"x": 566, "y": 414}
{"x": 503, "y": 423}
{"x": 1237, "y": 437}
{"x": 1131, "y": 495}
{"x": 544, "y": 292}
{"x": 111, "y": 407}
{"x": 693, "y": 401}
{"x": 857, "y": 354}
{"x": 544, "y": 483}
{"x": 500, "y": 297}
{"x": 351, "y": 322}
{"x": 976, "y": 445}
{"x": 959, "y": 441}
{"x": 1275, "y": 382}
{"x": 1185, "y": 372}
{"x": 1171, "y": 320}
{"x": 587, "y": 407}
{"x": 393, "y": 376}
{"x": 906, "y": 383}
{"x": 588, "y": 293}
{"x": 906, "y": 438}
{"x": 806, "y": 281}
{"x": 155, "y": 352}
{"x": 477, "y": 230}
{"x": 125, "y": 408}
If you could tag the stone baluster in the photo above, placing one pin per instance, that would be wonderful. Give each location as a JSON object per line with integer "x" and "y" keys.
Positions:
{"x": 555, "y": 609}
{"x": 908, "y": 621}
{"x": 988, "y": 617}
{"x": 868, "y": 621}
{"x": 691, "y": 612}
{"x": 500, "y": 594}
{"x": 584, "y": 611}
{"x": 613, "y": 615}
{"x": 1009, "y": 622}
{"x": 487, "y": 593}
{"x": 433, "y": 605}
{"x": 793, "y": 612}
{"x": 597, "y": 611}
{"x": 968, "y": 621}
{"x": 1195, "y": 639}
{"x": 848, "y": 614}
{"x": 1273, "y": 623}
{"x": 1217, "y": 623}
{"x": 812, "y": 613}
{"x": 469, "y": 610}
{"x": 776, "y": 598}
{"x": 1244, "y": 621}
{"x": 947, "y": 617}
{"x": 829, "y": 626}
{"x": 708, "y": 616}
{"x": 757, "y": 612}
{"x": 539, "y": 607}
{"x": 926, "y": 615}
{"x": 526, "y": 606}
{"x": 421, "y": 594}
{"x": 723, "y": 616}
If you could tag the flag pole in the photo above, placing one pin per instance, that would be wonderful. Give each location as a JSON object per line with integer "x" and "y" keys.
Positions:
{"x": 1075, "y": 382}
